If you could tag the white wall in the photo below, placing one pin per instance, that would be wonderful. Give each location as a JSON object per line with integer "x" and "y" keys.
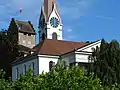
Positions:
{"x": 44, "y": 62}
{"x": 82, "y": 58}
{"x": 69, "y": 58}
{"x": 81, "y": 55}
{"x": 21, "y": 67}
{"x": 76, "y": 57}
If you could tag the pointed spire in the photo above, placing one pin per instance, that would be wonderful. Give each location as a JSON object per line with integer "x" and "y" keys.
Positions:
{"x": 48, "y": 6}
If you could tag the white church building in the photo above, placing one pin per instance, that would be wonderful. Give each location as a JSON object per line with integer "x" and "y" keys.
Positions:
{"x": 52, "y": 47}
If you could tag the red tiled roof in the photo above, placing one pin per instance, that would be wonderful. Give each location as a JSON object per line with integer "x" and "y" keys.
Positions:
{"x": 57, "y": 47}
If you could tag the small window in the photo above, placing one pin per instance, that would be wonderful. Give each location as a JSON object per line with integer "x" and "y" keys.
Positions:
{"x": 93, "y": 49}
{"x": 33, "y": 67}
{"x": 54, "y": 36}
{"x": 29, "y": 34}
{"x": 17, "y": 73}
{"x": 25, "y": 69}
{"x": 50, "y": 65}
{"x": 25, "y": 33}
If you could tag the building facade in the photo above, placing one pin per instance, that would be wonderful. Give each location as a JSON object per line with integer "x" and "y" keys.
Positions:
{"x": 23, "y": 32}
{"x": 52, "y": 48}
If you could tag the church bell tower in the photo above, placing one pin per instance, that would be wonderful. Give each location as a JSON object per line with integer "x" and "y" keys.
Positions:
{"x": 50, "y": 23}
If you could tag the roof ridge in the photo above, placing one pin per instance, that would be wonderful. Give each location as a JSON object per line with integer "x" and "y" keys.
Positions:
{"x": 67, "y": 41}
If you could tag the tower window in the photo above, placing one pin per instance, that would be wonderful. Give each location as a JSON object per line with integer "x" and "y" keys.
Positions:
{"x": 29, "y": 34}
{"x": 25, "y": 33}
{"x": 54, "y": 36}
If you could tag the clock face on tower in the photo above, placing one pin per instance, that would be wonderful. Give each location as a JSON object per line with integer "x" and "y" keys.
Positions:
{"x": 54, "y": 22}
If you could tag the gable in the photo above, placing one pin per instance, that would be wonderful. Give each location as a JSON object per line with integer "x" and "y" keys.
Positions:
{"x": 55, "y": 14}
{"x": 90, "y": 47}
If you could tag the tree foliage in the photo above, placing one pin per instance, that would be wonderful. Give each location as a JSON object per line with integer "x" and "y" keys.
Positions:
{"x": 8, "y": 51}
{"x": 107, "y": 62}
{"x": 60, "y": 78}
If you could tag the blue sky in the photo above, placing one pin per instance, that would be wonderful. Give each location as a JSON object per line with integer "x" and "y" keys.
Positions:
{"x": 83, "y": 20}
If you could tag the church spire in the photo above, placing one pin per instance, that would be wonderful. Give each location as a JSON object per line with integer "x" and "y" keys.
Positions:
{"x": 50, "y": 23}
{"x": 48, "y": 6}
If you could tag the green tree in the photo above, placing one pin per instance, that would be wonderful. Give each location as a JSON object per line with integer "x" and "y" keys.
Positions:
{"x": 60, "y": 78}
{"x": 8, "y": 51}
{"x": 107, "y": 62}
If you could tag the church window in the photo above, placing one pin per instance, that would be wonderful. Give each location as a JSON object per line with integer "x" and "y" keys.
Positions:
{"x": 17, "y": 72}
{"x": 50, "y": 65}
{"x": 33, "y": 67}
{"x": 24, "y": 68}
{"x": 54, "y": 36}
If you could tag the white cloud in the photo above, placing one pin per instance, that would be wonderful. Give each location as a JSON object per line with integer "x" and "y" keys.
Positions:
{"x": 69, "y": 30}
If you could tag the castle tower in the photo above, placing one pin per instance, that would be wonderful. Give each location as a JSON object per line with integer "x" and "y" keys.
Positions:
{"x": 50, "y": 23}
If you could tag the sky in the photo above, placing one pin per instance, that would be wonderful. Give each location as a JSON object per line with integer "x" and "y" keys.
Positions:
{"x": 83, "y": 20}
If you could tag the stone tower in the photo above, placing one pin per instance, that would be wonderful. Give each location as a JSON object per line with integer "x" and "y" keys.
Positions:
{"x": 23, "y": 32}
{"x": 50, "y": 23}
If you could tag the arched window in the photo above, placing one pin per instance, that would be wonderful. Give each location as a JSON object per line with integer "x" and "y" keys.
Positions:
{"x": 43, "y": 36}
{"x": 24, "y": 69}
{"x": 54, "y": 36}
{"x": 50, "y": 65}
{"x": 33, "y": 67}
{"x": 17, "y": 73}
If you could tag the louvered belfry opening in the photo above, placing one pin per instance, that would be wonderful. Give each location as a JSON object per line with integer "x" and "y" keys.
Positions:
{"x": 54, "y": 36}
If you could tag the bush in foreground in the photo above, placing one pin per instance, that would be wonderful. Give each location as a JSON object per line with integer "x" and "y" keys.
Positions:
{"x": 60, "y": 78}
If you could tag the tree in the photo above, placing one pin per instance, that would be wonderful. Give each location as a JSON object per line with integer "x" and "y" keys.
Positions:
{"x": 60, "y": 78}
{"x": 107, "y": 62}
{"x": 8, "y": 52}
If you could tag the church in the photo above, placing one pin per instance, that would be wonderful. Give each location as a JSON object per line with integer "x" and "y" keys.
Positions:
{"x": 51, "y": 47}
